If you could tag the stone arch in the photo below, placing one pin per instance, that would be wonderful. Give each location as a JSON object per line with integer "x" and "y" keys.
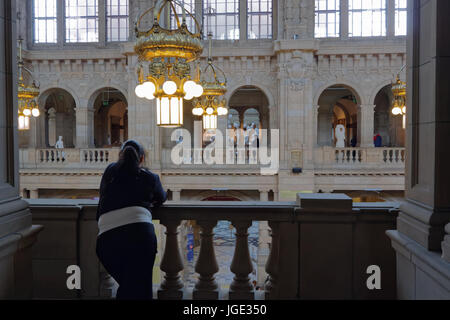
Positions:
{"x": 331, "y": 97}
{"x": 354, "y": 88}
{"x": 46, "y": 91}
{"x": 263, "y": 106}
{"x": 229, "y": 193}
{"x": 93, "y": 94}
{"x": 270, "y": 98}
{"x": 388, "y": 126}
{"x": 61, "y": 120}
{"x": 110, "y": 116}
{"x": 381, "y": 85}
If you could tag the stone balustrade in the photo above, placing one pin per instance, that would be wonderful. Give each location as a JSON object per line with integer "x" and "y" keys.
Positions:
{"x": 321, "y": 247}
{"x": 67, "y": 158}
{"x": 376, "y": 158}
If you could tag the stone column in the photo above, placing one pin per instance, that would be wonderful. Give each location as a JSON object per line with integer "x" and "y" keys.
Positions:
{"x": 84, "y": 127}
{"x": 324, "y": 125}
{"x": 446, "y": 244}
{"x": 17, "y": 234}
{"x": 365, "y": 125}
{"x": 51, "y": 127}
{"x": 314, "y": 125}
{"x": 34, "y": 193}
{"x": 421, "y": 273}
{"x": 176, "y": 194}
{"x": 264, "y": 195}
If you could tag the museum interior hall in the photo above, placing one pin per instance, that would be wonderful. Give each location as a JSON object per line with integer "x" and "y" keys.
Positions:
{"x": 290, "y": 136}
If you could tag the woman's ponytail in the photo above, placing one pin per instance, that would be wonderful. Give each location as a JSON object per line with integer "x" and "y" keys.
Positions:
{"x": 130, "y": 157}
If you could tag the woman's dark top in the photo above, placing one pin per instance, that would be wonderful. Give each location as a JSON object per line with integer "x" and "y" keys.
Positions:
{"x": 119, "y": 189}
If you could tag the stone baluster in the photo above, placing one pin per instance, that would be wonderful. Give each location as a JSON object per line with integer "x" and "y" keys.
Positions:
{"x": 241, "y": 287}
{"x": 272, "y": 263}
{"x": 171, "y": 263}
{"x": 206, "y": 266}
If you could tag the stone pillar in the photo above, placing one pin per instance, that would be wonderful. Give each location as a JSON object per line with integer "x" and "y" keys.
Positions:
{"x": 34, "y": 193}
{"x": 17, "y": 235}
{"x": 176, "y": 194}
{"x": 365, "y": 125}
{"x": 264, "y": 195}
{"x": 421, "y": 225}
{"x": 84, "y": 127}
{"x": 315, "y": 126}
{"x": 446, "y": 244}
{"x": 325, "y": 128}
{"x": 51, "y": 127}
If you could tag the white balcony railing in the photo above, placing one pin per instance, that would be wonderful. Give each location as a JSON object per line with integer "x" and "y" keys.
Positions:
{"x": 377, "y": 158}
{"x": 67, "y": 158}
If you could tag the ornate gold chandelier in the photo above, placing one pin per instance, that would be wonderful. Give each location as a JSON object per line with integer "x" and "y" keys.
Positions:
{"x": 212, "y": 103}
{"x": 399, "y": 100}
{"x": 167, "y": 53}
{"x": 27, "y": 94}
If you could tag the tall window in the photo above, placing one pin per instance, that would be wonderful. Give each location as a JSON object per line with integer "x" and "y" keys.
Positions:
{"x": 221, "y": 17}
{"x": 367, "y": 18}
{"x": 44, "y": 21}
{"x": 117, "y": 20}
{"x": 327, "y": 18}
{"x": 81, "y": 20}
{"x": 189, "y": 5}
{"x": 259, "y": 19}
{"x": 401, "y": 17}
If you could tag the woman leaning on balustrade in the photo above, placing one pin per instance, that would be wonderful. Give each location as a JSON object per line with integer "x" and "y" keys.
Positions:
{"x": 126, "y": 243}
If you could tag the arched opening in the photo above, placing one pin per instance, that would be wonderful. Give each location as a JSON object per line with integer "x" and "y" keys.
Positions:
{"x": 110, "y": 118}
{"x": 251, "y": 105}
{"x": 388, "y": 126}
{"x": 59, "y": 118}
{"x": 233, "y": 118}
{"x": 338, "y": 106}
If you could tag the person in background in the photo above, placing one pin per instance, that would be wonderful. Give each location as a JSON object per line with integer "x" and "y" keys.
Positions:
{"x": 377, "y": 140}
{"x": 126, "y": 243}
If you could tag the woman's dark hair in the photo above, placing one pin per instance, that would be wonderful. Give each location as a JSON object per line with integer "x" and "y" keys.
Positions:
{"x": 130, "y": 157}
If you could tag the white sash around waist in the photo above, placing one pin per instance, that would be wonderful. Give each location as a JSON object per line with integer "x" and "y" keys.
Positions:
{"x": 117, "y": 218}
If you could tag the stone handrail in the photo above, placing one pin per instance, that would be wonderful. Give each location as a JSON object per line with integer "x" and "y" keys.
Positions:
{"x": 319, "y": 237}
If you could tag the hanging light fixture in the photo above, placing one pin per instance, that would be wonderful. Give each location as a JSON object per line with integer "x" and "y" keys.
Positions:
{"x": 27, "y": 94}
{"x": 399, "y": 100}
{"x": 212, "y": 103}
{"x": 168, "y": 54}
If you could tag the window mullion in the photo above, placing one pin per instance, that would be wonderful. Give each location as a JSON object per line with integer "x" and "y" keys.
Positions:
{"x": 344, "y": 19}
{"x": 102, "y": 22}
{"x": 243, "y": 18}
{"x": 60, "y": 22}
